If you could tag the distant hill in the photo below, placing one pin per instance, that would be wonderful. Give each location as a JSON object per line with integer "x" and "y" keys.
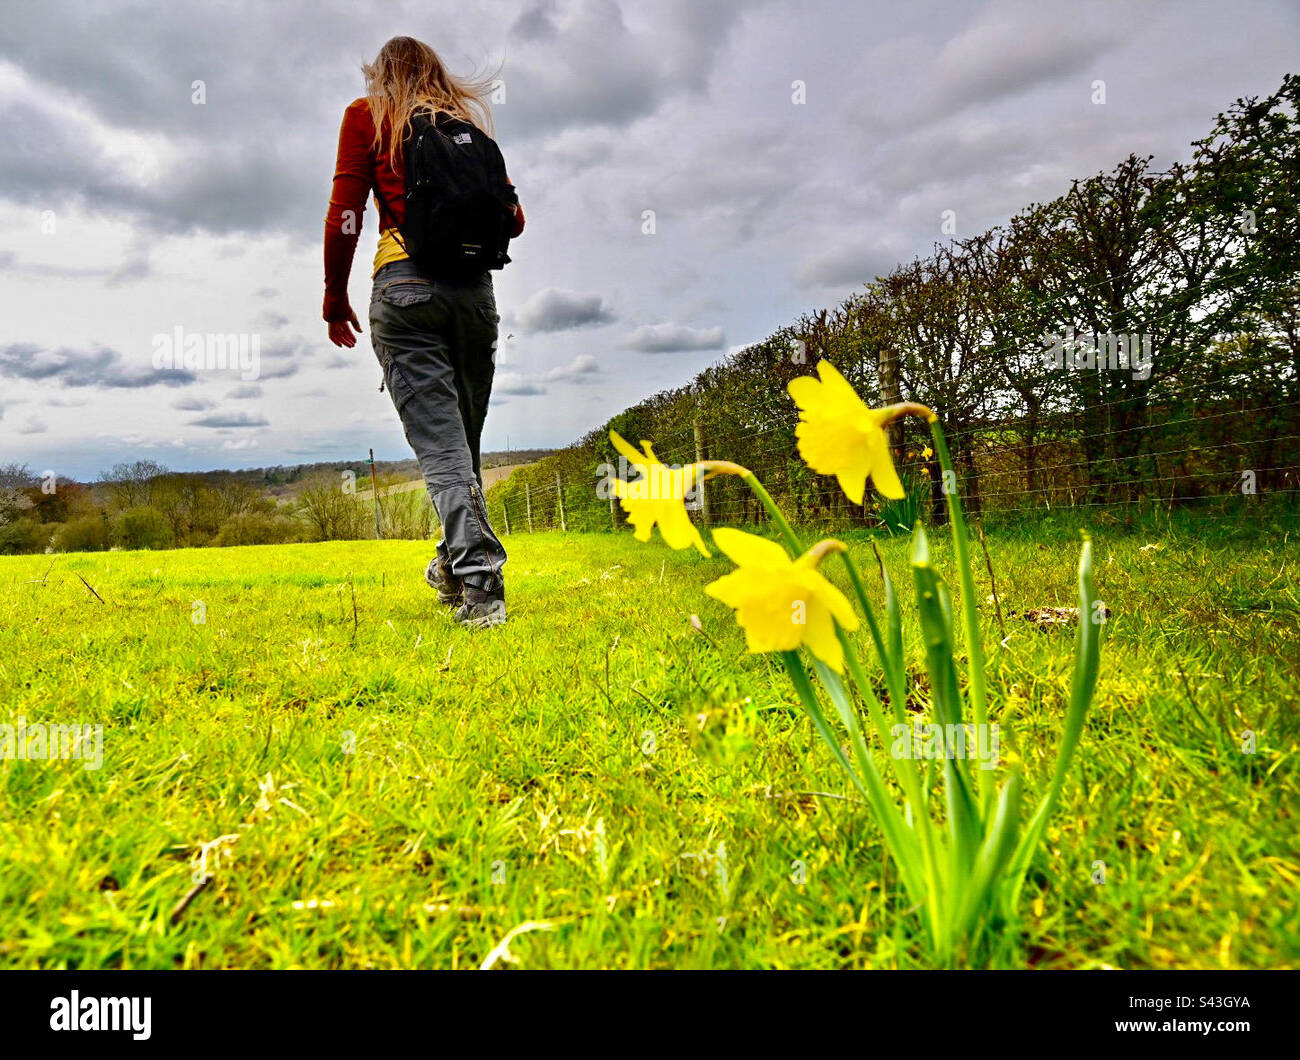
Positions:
{"x": 283, "y": 481}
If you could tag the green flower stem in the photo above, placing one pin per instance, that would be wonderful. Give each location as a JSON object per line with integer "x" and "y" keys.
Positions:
{"x": 864, "y": 686}
{"x": 791, "y": 538}
{"x": 1087, "y": 663}
{"x": 911, "y": 781}
{"x": 898, "y": 837}
{"x": 970, "y": 611}
{"x": 908, "y": 776}
{"x": 893, "y": 673}
{"x": 893, "y": 667}
{"x": 867, "y": 778}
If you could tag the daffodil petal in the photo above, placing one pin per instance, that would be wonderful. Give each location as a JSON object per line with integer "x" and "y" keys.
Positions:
{"x": 770, "y": 622}
{"x": 819, "y": 636}
{"x": 750, "y": 550}
{"x": 837, "y": 387}
{"x": 835, "y": 602}
{"x": 804, "y": 390}
{"x": 734, "y": 589}
{"x": 853, "y": 482}
{"x": 885, "y": 478}
{"x": 677, "y": 529}
{"x": 625, "y": 449}
{"x": 881, "y": 464}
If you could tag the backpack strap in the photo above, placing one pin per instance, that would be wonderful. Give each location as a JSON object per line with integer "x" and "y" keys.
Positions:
{"x": 396, "y": 230}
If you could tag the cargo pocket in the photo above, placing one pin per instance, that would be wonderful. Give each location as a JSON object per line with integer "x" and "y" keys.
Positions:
{"x": 490, "y": 318}
{"x": 398, "y": 388}
{"x": 405, "y": 292}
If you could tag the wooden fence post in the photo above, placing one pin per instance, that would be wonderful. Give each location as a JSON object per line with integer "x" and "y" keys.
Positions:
{"x": 528, "y": 504}
{"x": 505, "y": 511}
{"x": 559, "y": 495}
{"x": 699, "y": 458}
{"x": 374, "y": 495}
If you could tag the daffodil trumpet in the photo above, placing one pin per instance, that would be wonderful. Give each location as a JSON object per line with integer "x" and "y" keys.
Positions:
{"x": 714, "y": 468}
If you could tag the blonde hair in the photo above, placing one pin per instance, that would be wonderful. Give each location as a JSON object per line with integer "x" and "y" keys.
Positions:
{"x": 407, "y": 78}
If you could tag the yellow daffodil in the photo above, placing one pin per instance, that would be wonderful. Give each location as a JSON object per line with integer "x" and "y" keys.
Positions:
{"x": 781, "y": 603}
{"x": 927, "y": 452}
{"x": 838, "y": 435}
{"x": 658, "y": 496}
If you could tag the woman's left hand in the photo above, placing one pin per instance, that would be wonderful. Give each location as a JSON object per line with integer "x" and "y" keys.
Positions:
{"x": 341, "y": 331}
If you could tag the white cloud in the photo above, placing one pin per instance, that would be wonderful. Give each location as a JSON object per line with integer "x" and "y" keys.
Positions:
{"x": 551, "y": 309}
{"x": 671, "y": 338}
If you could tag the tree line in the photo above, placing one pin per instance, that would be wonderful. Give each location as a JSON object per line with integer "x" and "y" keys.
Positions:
{"x": 1183, "y": 283}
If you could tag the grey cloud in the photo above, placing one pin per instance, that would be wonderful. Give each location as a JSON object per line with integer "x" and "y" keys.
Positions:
{"x": 555, "y": 310}
{"x": 1006, "y": 50}
{"x": 282, "y": 358}
{"x": 230, "y": 419}
{"x": 244, "y": 393}
{"x": 582, "y": 371}
{"x": 272, "y": 319}
{"x": 582, "y": 365}
{"x": 102, "y": 368}
{"x": 581, "y": 63}
{"x": 136, "y": 268}
{"x": 535, "y": 22}
{"x": 233, "y": 164}
{"x": 514, "y": 383}
{"x": 10, "y": 262}
{"x": 855, "y": 263}
{"x": 192, "y": 403}
{"x": 672, "y": 338}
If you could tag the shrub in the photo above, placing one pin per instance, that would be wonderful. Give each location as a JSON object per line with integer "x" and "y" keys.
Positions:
{"x": 142, "y": 527}
{"x": 259, "y": 528}
{"x": 87, "y": 534}
{"x": 23, "y": 535}
{"x": 331, "y": 514}
{"x": 406, "y": 515}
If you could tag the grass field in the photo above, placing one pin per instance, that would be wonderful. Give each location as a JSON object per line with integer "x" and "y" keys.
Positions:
{"x": 363, "y": 784}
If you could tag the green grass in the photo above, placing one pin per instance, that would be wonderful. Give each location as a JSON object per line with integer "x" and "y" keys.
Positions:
{"x": 650, "y": 792}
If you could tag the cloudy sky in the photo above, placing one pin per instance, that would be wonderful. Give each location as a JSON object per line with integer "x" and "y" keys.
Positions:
{"x": 129, "y": 210}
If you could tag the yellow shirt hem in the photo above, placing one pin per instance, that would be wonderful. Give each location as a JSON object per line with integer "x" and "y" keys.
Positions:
{"x": 388, "y": 251}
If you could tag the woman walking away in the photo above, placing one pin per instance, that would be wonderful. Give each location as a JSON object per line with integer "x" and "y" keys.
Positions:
{"x": 447, "y": 211}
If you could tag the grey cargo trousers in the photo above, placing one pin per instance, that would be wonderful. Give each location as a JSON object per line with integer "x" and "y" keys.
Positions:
{"x": 436, "y": 343}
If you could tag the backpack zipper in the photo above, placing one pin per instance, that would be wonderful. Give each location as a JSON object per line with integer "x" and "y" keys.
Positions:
{"x": 415, "y": 154}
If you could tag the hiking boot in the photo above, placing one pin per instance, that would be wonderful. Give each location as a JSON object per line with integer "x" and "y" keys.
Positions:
{"x": 482, "y": 608}
{"x": 441, "y": 580}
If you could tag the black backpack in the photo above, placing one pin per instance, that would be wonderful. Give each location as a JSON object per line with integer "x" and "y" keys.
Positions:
{"x": 460, "y": 208}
